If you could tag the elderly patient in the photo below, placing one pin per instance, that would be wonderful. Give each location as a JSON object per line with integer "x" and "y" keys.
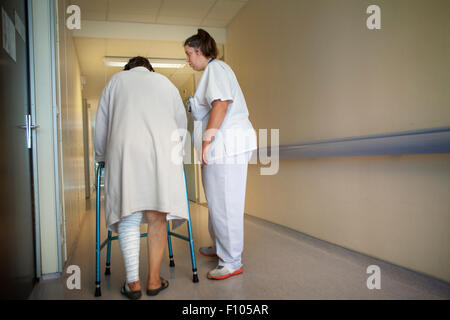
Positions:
{"x": 138, "y": 124}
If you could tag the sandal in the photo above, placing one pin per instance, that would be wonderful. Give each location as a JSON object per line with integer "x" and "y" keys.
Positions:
{"x": 133, "y": 295}
{"x": 154, "y": 292}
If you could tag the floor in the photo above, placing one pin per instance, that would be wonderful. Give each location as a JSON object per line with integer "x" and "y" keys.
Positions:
{"x": 279, "y": 263}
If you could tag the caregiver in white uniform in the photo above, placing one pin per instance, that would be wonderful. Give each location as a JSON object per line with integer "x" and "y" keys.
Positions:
{"x": 138, "y": 115}
{"x": 225, "y": 139}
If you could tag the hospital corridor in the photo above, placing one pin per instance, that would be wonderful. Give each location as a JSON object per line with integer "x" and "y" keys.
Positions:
{"x": 337, "y": 114}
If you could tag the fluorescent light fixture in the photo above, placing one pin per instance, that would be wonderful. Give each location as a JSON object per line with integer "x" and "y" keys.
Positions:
{"x": 155, "y": 62}
{"x": 167, "y": 65}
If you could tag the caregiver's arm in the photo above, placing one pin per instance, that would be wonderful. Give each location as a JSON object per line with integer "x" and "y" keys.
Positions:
{"x": 218, "y": 112}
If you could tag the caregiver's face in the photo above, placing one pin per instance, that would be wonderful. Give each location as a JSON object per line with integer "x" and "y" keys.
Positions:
{"x": 195, "y": 58}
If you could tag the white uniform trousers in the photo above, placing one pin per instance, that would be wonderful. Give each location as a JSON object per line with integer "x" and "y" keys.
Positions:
{"x": 225, "y": 183}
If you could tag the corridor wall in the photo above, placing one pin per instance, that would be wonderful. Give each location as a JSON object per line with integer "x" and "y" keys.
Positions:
{"x": 315, "y": 71}
{"x": 70, "y": 125}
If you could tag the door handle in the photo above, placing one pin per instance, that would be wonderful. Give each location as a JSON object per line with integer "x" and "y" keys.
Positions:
{"x": 28, "y": 127}
{"x": 31, "y": 127}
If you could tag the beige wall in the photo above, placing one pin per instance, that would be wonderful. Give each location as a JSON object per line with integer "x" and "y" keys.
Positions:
{"x": 313, "y": 69}
{"x": 71, "y": 134}
{"x": 317, "y": 62}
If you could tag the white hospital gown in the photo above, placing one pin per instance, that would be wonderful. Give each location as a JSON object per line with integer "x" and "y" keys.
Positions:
{"x": 135, "y": 135}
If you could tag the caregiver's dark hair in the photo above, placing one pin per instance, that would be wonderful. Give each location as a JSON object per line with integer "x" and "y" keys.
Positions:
{"x": 205, "y": 42}
{"x": 138, "y": 62}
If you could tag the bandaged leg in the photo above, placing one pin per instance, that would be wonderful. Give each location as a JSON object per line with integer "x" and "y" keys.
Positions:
{"x": 129, "y": 241}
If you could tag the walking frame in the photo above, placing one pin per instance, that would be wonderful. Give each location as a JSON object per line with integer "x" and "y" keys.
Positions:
{"x": 110, "y": 238}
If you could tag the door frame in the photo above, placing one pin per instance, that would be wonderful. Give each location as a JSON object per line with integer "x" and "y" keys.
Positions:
{"x": 37, "y": 229}
{"x": 45, "y": 162}
{"x": 56, "y": 150}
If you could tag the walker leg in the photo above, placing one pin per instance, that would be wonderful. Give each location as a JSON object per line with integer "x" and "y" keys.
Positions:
{"x": 108, "y": 255}
{"x": 172, "y": 263}
{"x": 98, "y": 292}
{"x": 191, "y": 245}
{"x": 191, "y": 238}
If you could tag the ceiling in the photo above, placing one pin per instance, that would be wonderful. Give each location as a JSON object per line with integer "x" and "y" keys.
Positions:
{"x": 199, "y": 13}
{"x": 91, "y": 51}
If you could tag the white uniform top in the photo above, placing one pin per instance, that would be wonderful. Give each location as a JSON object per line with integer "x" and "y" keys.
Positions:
{"x": 236, "y": 134}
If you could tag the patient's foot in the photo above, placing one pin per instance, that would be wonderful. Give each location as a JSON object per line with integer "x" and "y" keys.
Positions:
{"x": 134, "y": 286}
{"x": 155, "y": 284}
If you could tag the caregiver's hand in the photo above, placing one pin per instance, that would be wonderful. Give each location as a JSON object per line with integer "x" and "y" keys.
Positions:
{"x": 206, "y": 145}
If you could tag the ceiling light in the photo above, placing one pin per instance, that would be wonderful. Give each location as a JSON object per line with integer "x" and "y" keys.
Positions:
{"x": 155, "y": 62}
